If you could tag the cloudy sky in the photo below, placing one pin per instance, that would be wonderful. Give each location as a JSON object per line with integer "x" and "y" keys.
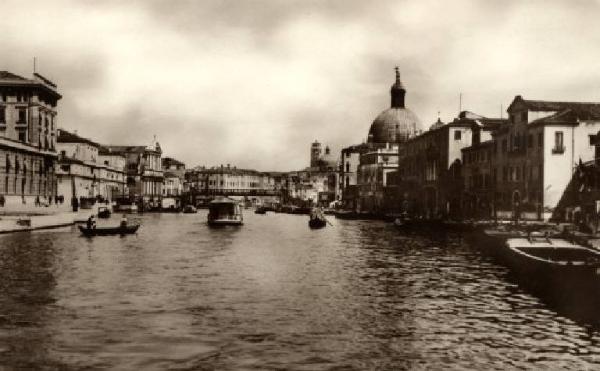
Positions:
{"x": 253, "y": 83}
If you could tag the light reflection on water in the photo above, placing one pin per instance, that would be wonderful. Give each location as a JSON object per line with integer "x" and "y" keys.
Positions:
{"x": 272, "y": 294}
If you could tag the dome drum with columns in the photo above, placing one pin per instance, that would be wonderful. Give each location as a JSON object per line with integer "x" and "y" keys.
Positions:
{"x": 396, "y": 124}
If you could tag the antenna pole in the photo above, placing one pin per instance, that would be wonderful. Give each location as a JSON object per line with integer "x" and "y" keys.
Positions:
{"x": 34, "y": 65}
{"x": 459, "y": 103}
{"x": 501, "y": 109}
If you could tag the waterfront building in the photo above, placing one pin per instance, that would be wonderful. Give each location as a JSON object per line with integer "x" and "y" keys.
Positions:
{"x": 203, "y": 183}
{"x": 84, "y": 173}
{"x": 429, "y": 169}
{"x": 348, "y": 179}
{"x": 174, "y": 177}
{"x": 144, "y": 173}
{"x": 28, "y": 119}
{"x": 389, "y": 131}
{"x": 373, "y": 182}
{"x": 537, "y": 153}
{"x": 477, "y": 169}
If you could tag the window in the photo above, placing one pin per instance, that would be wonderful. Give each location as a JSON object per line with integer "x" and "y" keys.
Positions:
{"x": 22, "y": 135}
{"x": 540, "y": 140}
{"x": 558, "y": 142}
{"x": 2, "y": 115}
{"x": 504, "y": 174}
{"x": 530, "y": 141}
{"x": 457, "y": 135}
{"x": 504, "y": 145}
{"x": 524, "y": 116}
{"x": 22, "y": 116}
{"x": 347, "y": 167}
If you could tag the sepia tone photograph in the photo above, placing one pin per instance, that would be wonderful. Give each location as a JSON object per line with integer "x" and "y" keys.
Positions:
{"x": 299, "y": 185}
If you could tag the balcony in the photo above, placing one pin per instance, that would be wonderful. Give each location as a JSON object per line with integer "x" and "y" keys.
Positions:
{"x": 558, "y": 150}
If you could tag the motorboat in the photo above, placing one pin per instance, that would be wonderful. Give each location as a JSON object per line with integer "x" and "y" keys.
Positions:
{"x": 109, "y": 231}
{"x": 224, "y": 211}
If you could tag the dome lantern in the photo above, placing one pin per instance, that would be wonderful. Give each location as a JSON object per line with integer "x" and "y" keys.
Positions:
{"x": 397, "y": 92}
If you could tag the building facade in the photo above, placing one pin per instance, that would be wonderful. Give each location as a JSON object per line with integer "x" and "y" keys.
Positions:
{"x": 28, "y": 119}
{"x": 84, "y": 174}
{"x": 388, "y": 133}
{"x": 537, "y": 152}
{"x": 144, "y": 174}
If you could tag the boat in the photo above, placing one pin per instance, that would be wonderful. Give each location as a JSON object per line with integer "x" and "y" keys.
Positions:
{"x": 189, "y": 209}
{"x": 317, "y": 219}
{"x": 109, "y": 231}
{"x": 549, "y": 263}
{"x": 260, "y": 210}
{"x": 224, "y": 211}
{"x": 104, "y": 212}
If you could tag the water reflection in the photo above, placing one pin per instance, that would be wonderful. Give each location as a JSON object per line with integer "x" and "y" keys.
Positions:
{"x": 273, "y": 295}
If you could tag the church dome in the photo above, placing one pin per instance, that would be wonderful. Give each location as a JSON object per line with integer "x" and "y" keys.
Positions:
{"x": 397, "y": 123}
{"x": 394, "y": 125}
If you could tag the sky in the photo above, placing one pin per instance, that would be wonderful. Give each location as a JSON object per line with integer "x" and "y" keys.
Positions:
{"x": 254, "y": 83}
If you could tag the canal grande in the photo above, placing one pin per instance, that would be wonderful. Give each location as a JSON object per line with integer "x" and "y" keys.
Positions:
{"x": 272, "y": 294}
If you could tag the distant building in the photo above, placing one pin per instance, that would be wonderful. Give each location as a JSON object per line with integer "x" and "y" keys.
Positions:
{"x": 28, "y": 119}
{"x": 348, "y": 178}
{"x": 144, "y": 173}
{"x": 389, "y": 131}
{"x": 83, "y": 173}
{"x": 173, "y": 181}
{"x": 204, "y": 183}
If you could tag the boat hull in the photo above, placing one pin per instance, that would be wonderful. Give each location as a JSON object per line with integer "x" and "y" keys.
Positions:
{"x": 317, "y": 223}
{"x": 224, "y": 222}
{"x": 108, "y": 231}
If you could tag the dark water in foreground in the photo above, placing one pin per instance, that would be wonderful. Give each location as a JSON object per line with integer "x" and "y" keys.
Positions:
{"x": 271, "y": 295}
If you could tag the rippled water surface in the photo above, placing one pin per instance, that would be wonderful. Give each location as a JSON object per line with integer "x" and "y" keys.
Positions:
{"x": 271, "y": 295}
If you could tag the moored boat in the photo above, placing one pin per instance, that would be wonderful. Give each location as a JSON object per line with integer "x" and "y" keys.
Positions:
{"x": 103, "y": 212}
{"x": 189, "y": 209}
{"x": 550, "y": 263}
{"x": 109, "y": 231}
{"x": 260, "y": 210}
{"x": 224, "y": 211}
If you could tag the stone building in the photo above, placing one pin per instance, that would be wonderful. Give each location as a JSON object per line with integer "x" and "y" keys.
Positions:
{"x": 202, "y": 182}
{"x": 389, "y": 131}
{"x": 83, "y": 173}
{"x": 144, "y": 173}
{"x": 537, "y": 152}
{"x": 477, "y": 169}
{"x": 348, "y": 179}
{"x": 28, "y": 119}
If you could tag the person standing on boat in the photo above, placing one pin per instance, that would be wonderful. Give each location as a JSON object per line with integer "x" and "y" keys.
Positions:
{"x": 91, "y": 222}
{"x": 124, "y": 221}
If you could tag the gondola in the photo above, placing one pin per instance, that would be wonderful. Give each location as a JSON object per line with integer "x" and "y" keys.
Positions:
{"x": 109, "y": 231}
{"x": 317, "y": 219}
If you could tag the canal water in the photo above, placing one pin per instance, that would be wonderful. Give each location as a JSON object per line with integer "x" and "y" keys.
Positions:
{"x": 272, "y": 295}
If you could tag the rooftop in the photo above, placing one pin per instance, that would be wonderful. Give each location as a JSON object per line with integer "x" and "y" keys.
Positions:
{"x": 68, "y": 137}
